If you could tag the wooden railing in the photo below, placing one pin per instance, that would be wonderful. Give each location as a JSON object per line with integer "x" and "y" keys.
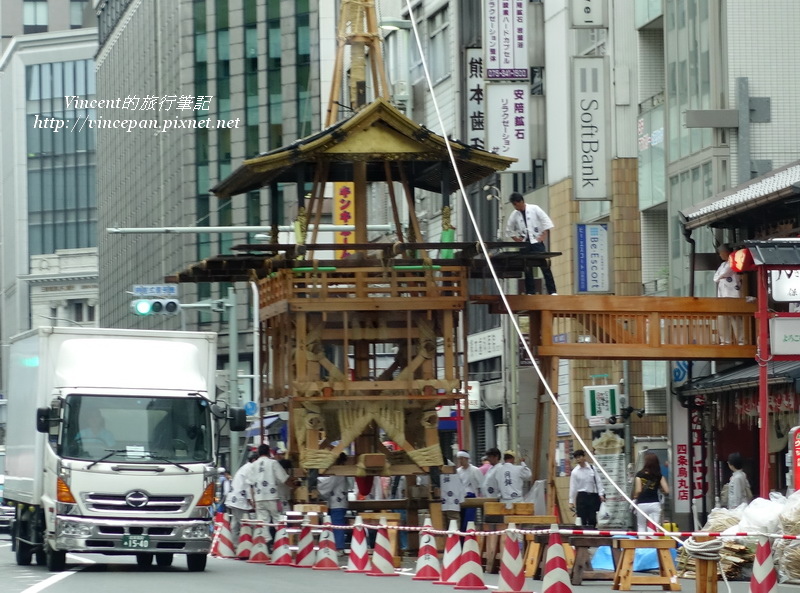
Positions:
{"x": 643, "y": 328}
{"x": 397, "y": 287}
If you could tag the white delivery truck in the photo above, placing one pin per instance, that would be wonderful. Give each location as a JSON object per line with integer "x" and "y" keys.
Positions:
{"x": 111, "y": 444}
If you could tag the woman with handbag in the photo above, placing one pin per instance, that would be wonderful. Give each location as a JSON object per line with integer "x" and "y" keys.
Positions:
{"x": 586, "y": 491}
{"x": 646, "y": 485}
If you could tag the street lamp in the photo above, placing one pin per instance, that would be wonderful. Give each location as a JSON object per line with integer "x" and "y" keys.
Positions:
{"x": 494, "y": 194}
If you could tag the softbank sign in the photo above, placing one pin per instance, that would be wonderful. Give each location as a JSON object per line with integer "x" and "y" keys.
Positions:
{"x": 590, "y": 128}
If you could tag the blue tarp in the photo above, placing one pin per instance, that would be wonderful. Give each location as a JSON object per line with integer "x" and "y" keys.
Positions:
{"x": 645, "y": 558}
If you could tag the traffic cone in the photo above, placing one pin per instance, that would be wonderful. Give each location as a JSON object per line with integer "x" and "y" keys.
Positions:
{"x": 470, "y": 573}
{"x": 326, "y": 554}
{"x": 222, "y": 547}
{"x": 512, "y": 568}
{"x": 359, "y": 554}
{"x": 259, "y": 554}
{"x": 428, "y": 567}
{"x": 764, "y": 579}
{"x": 306, "y": 555}
{"x": 556, "y": 576}
{"x": 451, "y": 561}
{"x": 281, "y": 553}
{"x": 382, "y": 560}
{"x": 245, "y": 545}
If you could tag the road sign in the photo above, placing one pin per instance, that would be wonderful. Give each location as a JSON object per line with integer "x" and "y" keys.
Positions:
{"x": 251, "y": 408}
{"x": 155, "y": 290}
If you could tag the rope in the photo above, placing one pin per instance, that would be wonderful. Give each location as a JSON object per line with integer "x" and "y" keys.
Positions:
{"x": 708, "y": 551}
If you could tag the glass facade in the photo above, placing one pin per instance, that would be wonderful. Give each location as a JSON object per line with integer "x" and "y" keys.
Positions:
{"x": 647, "y": 11}
{"x": 652, "y": 161}
{"x": 62, "y": 196}
{"x": 688, "y": 74}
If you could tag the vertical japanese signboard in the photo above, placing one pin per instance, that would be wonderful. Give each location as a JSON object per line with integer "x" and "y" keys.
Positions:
{"x": 476, "y": 114}
{"x": 690, "y": 477}
{"x": 343, "y": 213}
{"x": 591, "y": 137}
{"x": 594, "y": 258}
{"x": 505, "y": 40}
{"x": 507, "y": 130}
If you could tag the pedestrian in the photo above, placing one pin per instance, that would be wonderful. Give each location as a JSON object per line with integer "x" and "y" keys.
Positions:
{"x": 646, "y": 484}
{"x": 729, "y": 286}
{"x": 491, "y": 487}
{"x": 586, "y": 490}
{"x": 334, "y": 489}
{"x": 530, "y": 224}
{"x": 511, "y": 478}
{"x": 239, "y": 500}
{"x": 738, "y": 486}
{"x": 223, "y": 488}
{"x": 284, "y": 491}
{"x": 264, "y": 476}
{"x": 485, "y": 465}
{"x": 472, "y": 478}
{"x": 453, "y": 493}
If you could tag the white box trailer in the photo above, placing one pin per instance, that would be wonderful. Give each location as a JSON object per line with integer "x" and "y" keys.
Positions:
{"x": 111, "y": 443}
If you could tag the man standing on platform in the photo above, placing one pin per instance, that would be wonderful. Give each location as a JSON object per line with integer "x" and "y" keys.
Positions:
{"x": 472, "y": 478}
{"x": 529, "y": 224}
{"x": 512, "y": 479}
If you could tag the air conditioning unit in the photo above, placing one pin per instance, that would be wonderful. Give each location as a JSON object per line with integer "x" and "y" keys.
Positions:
{"x": 400, "y": 90}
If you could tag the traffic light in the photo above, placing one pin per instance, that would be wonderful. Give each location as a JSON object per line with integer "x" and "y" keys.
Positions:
{"x": 144, "y": 307}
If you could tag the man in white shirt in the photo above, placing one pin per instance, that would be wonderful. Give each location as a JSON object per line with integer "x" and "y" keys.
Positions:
{"x": 472, "y": 479}
{"x": 586, "y": 490}
{"x": 239, "y": 500}
{"x": 529, "y": 224}
{"x": 453, "y": 493}
{"x": 511, "y": 478}
{"x": 264, "y": 476}
{"x": 729, "y": 286}
{"x": 491, "y": 487}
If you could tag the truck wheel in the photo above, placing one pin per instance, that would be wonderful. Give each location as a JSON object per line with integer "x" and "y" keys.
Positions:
{"x": 41, "y": 557}
{"x": 24, "y": 553}
{"x": 56, "y": 559}
{"x": 164, "y": 559}
{"x": 144, "y": 559}
{"x": 196, "y": 562}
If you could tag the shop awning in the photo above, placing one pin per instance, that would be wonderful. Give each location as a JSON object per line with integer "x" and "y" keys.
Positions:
{"x": 777, "y": 189}
{"x": 744, "y": 377}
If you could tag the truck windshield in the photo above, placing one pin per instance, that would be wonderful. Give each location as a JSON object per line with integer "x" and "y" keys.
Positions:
{"x": 140, "y": 429}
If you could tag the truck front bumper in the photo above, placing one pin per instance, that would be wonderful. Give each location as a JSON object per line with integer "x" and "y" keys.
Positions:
{"x": 124, "y": 536}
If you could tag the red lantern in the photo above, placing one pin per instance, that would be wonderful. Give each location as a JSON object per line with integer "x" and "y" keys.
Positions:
{"x": 741, "y": 260}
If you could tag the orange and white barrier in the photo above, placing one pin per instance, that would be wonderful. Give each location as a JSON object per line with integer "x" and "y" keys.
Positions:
{"x": 428, "y": 567}
{"x": 470, "y": 573}
{"x": 764, "y": 579}
{"x": 452, "y": 556}
{"x": 326, "y": 553}
{"x": 382, "y": 560}
{"x": 512, "y": 566}
{"x": 306, "y": 555}
{"x": 222, "y": 546}
{"x": 245, "y": 544}
{"x": 555, "y": 576}
{"x": 259, "y": 554}
{"x": 358, "y": 560}
{"x": 281, "y": 552}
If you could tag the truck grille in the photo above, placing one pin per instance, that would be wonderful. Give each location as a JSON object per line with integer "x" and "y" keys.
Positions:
{"x": 136, "y": 502}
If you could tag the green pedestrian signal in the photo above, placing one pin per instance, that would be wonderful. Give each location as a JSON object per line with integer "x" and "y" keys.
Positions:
{"x": 143, "y": 307}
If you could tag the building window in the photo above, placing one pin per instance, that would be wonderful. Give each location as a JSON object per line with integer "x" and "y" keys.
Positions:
{"x": 76, "y": 13}
{"x": 34, "y": 16}
{"x": 439, "y": 50}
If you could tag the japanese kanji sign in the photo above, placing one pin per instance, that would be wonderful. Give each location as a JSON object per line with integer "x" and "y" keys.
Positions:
{"x": 344, "y": 213}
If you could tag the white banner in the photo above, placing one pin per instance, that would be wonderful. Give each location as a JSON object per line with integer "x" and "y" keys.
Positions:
{"x": 784, "y": 335}
{"x": 476, "y": 99}
{"x": 505, "y": 40}
{"x": 590, "y": 128}
{"x": 507, "y": 124}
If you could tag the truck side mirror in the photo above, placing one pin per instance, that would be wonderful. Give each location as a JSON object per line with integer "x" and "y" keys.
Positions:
{"x": 43, "y": 420}
{"x": 237, "y": 418}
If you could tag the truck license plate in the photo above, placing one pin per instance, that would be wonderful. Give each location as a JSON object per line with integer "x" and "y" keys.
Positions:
{"x": 137, "y": 542}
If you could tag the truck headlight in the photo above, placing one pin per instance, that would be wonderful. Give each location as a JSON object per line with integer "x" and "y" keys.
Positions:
{"x": 73, "y": 529}
{"x": 197, "y": 531}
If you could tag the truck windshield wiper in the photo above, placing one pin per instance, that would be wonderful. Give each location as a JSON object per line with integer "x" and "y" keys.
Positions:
{"x": 106, "y": 456}
{"x": 166, "y": 460}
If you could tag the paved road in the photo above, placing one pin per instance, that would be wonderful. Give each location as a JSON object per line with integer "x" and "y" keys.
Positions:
{"x": 100, "y": 574}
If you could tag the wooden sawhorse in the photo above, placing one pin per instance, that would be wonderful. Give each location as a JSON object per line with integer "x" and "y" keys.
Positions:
{"x": 667, "y": 577}
{"x": 582, "y": 569}
{"x": 536, "y": 547}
